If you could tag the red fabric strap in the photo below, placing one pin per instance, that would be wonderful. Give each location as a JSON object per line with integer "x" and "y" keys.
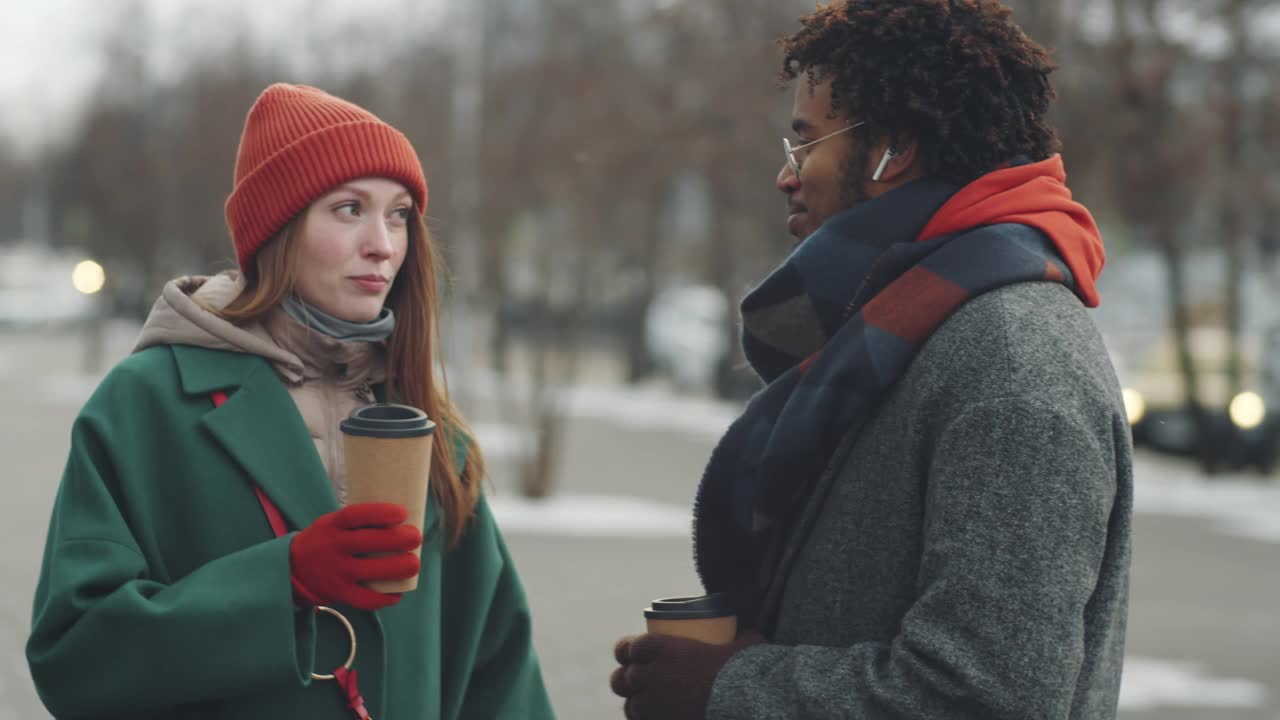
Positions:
{"x": 351, "y": 693}
{"x": 345, "y": 678}
{"x": 273, "y": 513}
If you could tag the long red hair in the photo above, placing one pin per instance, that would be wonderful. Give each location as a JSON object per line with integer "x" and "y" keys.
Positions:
{"x": 412, "y": 355}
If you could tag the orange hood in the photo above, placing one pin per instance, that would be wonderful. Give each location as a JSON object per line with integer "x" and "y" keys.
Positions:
{"x": 1034, "y": 195}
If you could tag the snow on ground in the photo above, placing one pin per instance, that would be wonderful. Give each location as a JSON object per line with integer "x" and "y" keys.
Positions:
{"x": 591, "y": 516}
{"x": 1149, "y": 684}
{"x": 1239, "y": 505}
{"x": 636, "y": 408}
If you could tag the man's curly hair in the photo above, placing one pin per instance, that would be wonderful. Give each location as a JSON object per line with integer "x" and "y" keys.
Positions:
{"x": 957, "y": 77}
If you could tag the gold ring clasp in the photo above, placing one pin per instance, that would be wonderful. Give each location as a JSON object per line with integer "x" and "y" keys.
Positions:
{"x": 351, "y": 632}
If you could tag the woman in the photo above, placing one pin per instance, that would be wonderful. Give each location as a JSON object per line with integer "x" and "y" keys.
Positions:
{"x": 168, "y": 589}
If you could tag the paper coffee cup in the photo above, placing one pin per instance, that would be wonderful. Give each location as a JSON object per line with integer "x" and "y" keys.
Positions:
{"x": 388, "y": 453}
{"x": 708, "y": 618}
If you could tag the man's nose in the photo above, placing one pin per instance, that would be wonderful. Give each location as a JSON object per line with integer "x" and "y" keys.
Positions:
{"x": 787, "y": 181}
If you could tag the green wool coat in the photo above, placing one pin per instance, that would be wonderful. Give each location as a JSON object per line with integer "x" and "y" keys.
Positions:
{"x": 165, "y": 594}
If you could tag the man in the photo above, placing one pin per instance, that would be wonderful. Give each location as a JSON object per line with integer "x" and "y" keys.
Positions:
{"x": 926, "y": 512}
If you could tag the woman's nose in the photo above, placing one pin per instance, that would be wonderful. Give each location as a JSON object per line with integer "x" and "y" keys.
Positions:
{"x": 377, "y": 241}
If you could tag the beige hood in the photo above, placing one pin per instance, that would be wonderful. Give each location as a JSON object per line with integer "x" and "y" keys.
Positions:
{"x": 180, "y": 317}
{"x": 327, "y": 378}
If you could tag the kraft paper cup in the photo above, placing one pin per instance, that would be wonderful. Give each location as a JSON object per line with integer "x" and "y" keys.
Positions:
{"x": 388, "y": 453}
{"x": 708, "y": 618}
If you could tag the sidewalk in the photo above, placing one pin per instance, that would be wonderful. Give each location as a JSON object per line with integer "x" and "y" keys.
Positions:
{"x": 1204, "y": 638}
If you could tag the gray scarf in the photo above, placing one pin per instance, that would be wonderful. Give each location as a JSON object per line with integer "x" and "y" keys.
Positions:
{"x": 337, "y": 328}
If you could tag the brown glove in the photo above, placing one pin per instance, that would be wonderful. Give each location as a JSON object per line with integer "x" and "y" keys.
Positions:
{"x": 664, "y": 677}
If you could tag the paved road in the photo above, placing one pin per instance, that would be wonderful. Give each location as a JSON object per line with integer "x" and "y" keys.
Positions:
{"x": 1204, "y": 637}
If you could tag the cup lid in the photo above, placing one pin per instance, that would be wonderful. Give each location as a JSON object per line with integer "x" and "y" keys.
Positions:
{"x": 387, "y": 420}
{"x": 690, "y": 608}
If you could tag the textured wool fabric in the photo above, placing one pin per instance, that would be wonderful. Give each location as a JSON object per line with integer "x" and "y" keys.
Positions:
{"x": 865, "y": 292}
{"x": 299, "y": 143}
{"x": 966, "y": 555}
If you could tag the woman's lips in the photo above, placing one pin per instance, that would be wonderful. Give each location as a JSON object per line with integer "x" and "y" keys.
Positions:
{"x": 370, "y": 283}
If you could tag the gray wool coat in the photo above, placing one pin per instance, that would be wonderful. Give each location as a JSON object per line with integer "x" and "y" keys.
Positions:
{"x": 967, "y": 555}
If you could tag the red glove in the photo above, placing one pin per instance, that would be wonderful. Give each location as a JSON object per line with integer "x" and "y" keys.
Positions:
{"x": 325, "y": 563}
{"x": 664, "y": 677}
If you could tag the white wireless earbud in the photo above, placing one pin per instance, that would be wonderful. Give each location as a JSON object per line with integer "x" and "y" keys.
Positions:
{"x": 884, "y": 163}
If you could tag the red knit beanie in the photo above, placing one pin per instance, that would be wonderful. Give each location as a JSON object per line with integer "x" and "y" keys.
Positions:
{"x": 300, "y": 143}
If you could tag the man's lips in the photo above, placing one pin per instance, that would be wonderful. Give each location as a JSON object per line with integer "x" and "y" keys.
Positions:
{"x": 795, "y": 216}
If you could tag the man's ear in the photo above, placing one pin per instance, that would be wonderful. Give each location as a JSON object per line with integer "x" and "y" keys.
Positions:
{"x": 892, "y": 161}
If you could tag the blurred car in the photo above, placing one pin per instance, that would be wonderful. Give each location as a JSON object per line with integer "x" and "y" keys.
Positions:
{"x": 685, "y": 335}
{"x": 1237, "y": 429}
{"x": 1244, "y": 435}
{"x": 36, "y": 290}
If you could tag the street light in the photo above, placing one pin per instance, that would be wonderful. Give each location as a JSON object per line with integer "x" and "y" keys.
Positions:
{"x": 88, "y": 277}
{"x": 1135, "y": 407}
{"x": 1247, "y": 410}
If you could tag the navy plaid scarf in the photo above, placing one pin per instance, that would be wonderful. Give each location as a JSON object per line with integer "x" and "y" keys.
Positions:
{"x": 830, "y": 332}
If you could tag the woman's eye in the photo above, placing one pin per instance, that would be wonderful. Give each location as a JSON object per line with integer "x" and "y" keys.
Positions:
{"x": 351, "y": 209}
{"x": 401, "y": 214}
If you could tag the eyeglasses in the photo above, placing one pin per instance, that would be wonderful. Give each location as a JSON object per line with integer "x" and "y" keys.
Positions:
{"x": 791, "y": 151}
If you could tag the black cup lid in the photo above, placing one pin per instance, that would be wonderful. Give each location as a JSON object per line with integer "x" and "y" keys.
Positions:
{"x": 387, "y": 420}
{"x": 690, "y": 608}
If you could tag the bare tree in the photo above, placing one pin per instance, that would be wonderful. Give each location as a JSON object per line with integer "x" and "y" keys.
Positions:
{"x": 593, "y": 116}
{"x": 1233, "y": 183}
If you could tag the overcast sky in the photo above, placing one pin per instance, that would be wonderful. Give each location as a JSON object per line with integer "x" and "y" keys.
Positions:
{"x": 51, "y": 50}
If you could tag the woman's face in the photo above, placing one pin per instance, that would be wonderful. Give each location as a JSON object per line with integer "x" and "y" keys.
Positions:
{"x": 353, "y": 241}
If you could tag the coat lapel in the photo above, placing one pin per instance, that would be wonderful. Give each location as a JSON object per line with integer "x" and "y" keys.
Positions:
{"x": 259, "y": 426}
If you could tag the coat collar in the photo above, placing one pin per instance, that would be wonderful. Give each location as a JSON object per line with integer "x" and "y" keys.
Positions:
{"x": 260, "y": 427}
